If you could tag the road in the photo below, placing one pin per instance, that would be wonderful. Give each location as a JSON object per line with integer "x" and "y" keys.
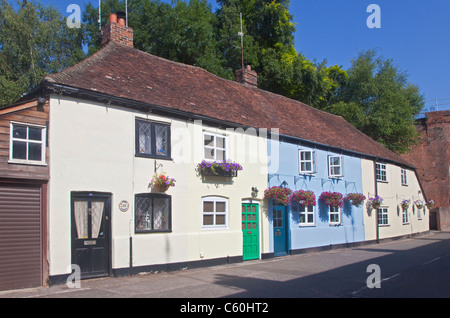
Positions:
{"x": 409, "y": 268}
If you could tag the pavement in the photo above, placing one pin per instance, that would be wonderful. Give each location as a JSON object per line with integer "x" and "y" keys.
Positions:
{"x": 333, "y": 273}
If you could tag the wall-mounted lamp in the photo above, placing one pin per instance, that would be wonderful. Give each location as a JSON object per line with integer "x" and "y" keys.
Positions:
{"x": 255, "y": 192}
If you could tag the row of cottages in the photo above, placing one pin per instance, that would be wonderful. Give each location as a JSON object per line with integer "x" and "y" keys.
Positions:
{"x": 80, "y": 151}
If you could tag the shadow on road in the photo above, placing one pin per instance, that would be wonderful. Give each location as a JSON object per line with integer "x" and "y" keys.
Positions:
{"x": 422, "y": 271}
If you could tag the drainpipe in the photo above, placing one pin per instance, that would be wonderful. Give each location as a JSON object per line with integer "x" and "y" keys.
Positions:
{"x": 376, "y": 193}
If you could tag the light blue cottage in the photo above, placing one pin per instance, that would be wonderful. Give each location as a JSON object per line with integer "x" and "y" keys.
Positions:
{"x": 300, "y": 165}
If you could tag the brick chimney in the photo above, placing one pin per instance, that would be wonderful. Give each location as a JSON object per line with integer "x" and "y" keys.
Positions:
{"x": 116, "y": 31}
{"x": 246, "y": 76}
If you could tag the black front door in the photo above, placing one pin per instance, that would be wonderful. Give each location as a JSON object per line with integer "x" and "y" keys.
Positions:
{"x": 91, "y": 219}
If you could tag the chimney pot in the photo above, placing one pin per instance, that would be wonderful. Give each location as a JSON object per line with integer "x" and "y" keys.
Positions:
{"x": 116, "y": 30}
{"x": 113, "y": 17}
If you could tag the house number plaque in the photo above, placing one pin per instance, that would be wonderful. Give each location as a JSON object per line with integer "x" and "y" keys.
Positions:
{"x": 124, "y": 205}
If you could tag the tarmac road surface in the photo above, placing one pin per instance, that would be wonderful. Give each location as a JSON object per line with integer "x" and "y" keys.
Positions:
{"x": 409, "y": 268}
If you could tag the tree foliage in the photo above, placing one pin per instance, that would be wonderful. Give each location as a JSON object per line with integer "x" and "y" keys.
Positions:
{"x": 378, "y": 99}
{"x": 34, "y": 41}
{"x": 373, "y": 94}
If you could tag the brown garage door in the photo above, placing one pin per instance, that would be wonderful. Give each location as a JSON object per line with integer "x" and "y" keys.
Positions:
{"x": 20, "y": 237}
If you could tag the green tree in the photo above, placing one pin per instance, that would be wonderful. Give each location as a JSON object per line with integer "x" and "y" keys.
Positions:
{"x": 34, "y": 41}
{"x": 378, "y": 100}
{"x": 90, "y": 25}
{"x": 180, "y": 31}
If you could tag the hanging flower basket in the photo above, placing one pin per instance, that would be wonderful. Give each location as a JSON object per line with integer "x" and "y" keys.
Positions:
{"x": 334, "y": 199}
{"x": 429, "y": 204}
{"x": 278, "y": 194}
{"x": 219, "y": 168}
{"x": 419, "y": 204}
{"x": 375, "y": 202}
{"x": 161, "y": 182}
{"x": 355, "y": 198}
{"x": 405, "y": 204}
{"x": 304, "y": 198}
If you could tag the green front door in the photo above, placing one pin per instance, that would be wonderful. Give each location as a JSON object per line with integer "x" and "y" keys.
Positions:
{"x": 250, "y": 231}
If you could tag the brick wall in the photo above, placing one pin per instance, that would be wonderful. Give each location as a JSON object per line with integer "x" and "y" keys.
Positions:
{"x": 115, "y": 32}
{"x": 431, "y": 156}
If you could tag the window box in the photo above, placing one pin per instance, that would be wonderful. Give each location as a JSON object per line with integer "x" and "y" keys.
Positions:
{"x": 218, "y": 168}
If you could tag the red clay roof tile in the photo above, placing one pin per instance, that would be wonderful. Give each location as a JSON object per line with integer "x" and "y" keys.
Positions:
{"x": 126, "y": 72}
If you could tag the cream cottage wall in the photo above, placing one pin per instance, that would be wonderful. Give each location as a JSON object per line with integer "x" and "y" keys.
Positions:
{"x": 393, "y": 193}
{"x": 92, "y": 148}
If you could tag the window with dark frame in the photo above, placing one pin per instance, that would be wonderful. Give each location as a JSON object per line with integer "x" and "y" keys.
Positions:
{"x": 153, "y": 213}
{"x": 152, "y": 139}
{"x": 381, "y": 172}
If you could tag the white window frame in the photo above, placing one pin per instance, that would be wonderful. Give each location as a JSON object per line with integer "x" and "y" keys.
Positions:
{"x": 306, "y": 211}
{"x": 405, "y": 216}
{"x": 334, "y": 211}
{"x": 403, "y": 177}
{"x": 331, "y": 166}
{"x": 384, "y": 211}
{"x": 381, "y": 172}
{"x": 312, "y": 161}
{"x": 214, "y": 146}
{"x": 214, "y": 213}
{"x": 42, "y": 142}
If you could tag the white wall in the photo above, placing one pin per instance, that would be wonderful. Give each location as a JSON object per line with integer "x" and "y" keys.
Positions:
{"x": 393, "y": 193}
{"x": 92, "y": 148}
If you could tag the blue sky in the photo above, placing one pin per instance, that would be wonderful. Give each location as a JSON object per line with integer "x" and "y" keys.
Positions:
{"x": 414, "y": 33}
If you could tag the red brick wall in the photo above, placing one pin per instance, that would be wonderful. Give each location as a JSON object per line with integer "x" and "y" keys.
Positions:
{"x": 431, "y": 156}
{"x": 115, "y": 32}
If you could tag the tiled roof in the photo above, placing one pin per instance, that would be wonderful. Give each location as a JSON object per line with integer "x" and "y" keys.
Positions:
{"x": 128, "y": 73}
